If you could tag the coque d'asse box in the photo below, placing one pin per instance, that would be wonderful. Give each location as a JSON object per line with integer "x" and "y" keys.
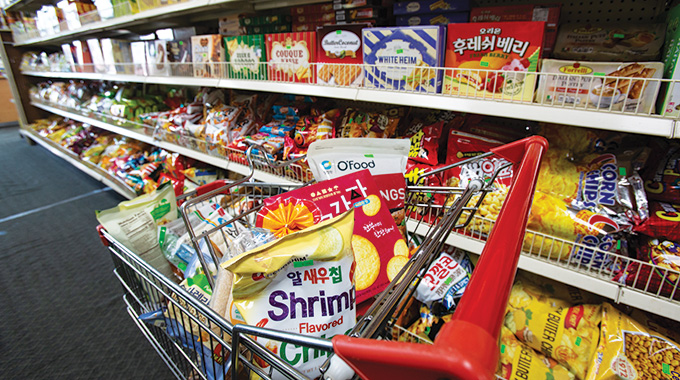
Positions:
{"x": 339, "y": 55}
{"x": 290, "y": 57}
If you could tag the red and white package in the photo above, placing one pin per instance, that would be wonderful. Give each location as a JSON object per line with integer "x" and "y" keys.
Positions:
{"x": 425, "y": 144}
{"x": 462, "y": 146}
{"x": 663, "y": 221}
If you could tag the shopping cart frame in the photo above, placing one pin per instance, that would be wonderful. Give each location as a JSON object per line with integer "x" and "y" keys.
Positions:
{"x": 369, "y": 358}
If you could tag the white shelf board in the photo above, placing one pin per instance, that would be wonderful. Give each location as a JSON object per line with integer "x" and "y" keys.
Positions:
{"x": 613, "y": 121}
{"x": 600, "y": 286}
{"x": 123, "y": 21}
{"x": 188, "y": 152}
{"x": 96, "y": 173}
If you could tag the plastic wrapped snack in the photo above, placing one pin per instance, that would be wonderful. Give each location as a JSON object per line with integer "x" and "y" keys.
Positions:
{"x": 628, "y": 350}
{"x": 300, "y": 283}
{"x": 520, "y": 362}
{"x": 445, "y": 280}
{"x": 562, "y": 332}
{"x": 663, "y": 221}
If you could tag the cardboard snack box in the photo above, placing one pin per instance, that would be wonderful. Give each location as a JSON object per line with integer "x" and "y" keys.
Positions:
{"x": 349, "y": 4}
{"x": 207, "y": 55}
{"x": 360, "y": 14}
{"x": 138, "y": 49}
{"x": 264, "y": 29}
{"x": 339, "y": 55}
{"x": 117, "y": 56}
{"x": 82, "y": 57}
{"x": 315, "y": 18}
{"x": 600, "y": 85}
{"x": 290, "y": 57}
{"x": 265, "y": 20}
{"x": 312, "y": 9}
{"x": 670, "y": 104}
{"x": 246, "y": 57}
{"x": 493, "y": 60}
{"x": 549, "y": 13}
{"x": 401, "y": 58}
{"x": 179, "y": 57}
{"x": 96, "y": 54}
{"x": 156, "y": 58}
{"x": 430, "y": 6}
{"x": 433, "y": 19}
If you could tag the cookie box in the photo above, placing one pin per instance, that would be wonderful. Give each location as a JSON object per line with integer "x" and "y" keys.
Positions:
{"x": 290, "y": 57}
{"x": 246, "y": 57}
{"x": 340, "y": 55}
{"x": 207, "y": 55}
{"x": 430, "y": 6}
{"x": 432, "y": 19}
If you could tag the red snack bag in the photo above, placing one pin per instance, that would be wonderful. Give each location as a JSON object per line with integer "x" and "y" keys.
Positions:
{"x": 661, "y": 277}
{"x": 414, "y": 177}
{"x": 462, "y": 146}
{"x": 662, "y": 182}
{"x": 663, "y": 221}
{"x": 425, "y": 144}
{"x": 376, "y": 239}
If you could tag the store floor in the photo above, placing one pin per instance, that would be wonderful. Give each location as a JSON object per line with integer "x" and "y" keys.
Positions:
{"x": 61, "y": 311}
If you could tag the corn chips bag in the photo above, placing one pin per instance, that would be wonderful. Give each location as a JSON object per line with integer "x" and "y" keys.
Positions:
{"x": 560, "y": 331}
{"x": 520, "y": 362}
{"x": 302, "y": 283}
{"x": 628, "y": 350}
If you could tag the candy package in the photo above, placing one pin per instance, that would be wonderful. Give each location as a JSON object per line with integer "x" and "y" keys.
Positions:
{"x": 445, "y": 280}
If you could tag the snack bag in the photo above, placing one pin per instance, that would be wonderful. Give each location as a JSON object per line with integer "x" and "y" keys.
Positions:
{"x": 520, "y": 362}
{"x": 425, "y": 144}
{"x": 566, "y": 334}
{"x": 425, "y": 328}
{"x": 661, "y": 277}
{"x": 134, "y": 224}
{"x": 379, "y": 249}
{"x": 302, "y": 283}
{"x": 445, "y": 280}
{"x": 529, "y": 287}
{"x": 462, "y": 146}
{"x": 661, "y": 179}
{"x": 663, "y": 221}
{"x": 628, "y": 350}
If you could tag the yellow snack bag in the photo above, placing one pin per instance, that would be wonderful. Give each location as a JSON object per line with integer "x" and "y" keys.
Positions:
{"x": 528, "y": 288}
{"x": 520, "y": 362}
{"x": 301, "y": 283}
{"x": 629, "y": 351}
{"x": 566, "y": 334}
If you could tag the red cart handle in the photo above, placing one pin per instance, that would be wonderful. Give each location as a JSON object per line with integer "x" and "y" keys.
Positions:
{"x": 466, "y": 347}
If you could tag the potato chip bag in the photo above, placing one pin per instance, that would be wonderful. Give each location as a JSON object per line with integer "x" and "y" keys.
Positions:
{"x": 562, "y": 332}
{"x": 663, "y": 221}
{"x": 302, "y": 283}
{"x": 628, "y": 350}
{"x": 529, "y": 287}
{"x": 520, "y": 362}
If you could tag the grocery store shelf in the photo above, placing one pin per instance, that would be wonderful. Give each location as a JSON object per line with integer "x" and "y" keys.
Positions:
{"x": 646, "y": 124}
{"x": 588, "y": 280}
{"x": 91, "y": 170}
{"x": 137, "y": 133}
{"x": 130, "y": 20}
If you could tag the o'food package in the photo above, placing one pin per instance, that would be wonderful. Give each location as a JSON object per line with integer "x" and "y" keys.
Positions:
{"x": 301, "y": 283}
{"x": 404, "y": 58}
{"x": 376, "y": 239}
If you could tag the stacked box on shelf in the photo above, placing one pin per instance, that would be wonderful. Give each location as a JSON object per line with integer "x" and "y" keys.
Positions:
{"x": 430, "y": 12}
{"x": 308, "y": 18}
{"x": 97, "y": 57}
{"x": 138, "y": 50}
{"x": 146, "y": 5}
{"x": 82, "y": 57}
{"x": 339, "y": 55}
{"x": 549, "y": 13}
{"x": 290, "y": 57}
{"x": 432, "y": 19}
{"x": 276, "y": 23}
{"x": 373, "y": 15}
{"x": 229, "y": 25}
{"x": 156, "y": 58}
{"x": 207, "y": 55}
{"x": 404, "y": 58}
{"x": 245, "y": 56}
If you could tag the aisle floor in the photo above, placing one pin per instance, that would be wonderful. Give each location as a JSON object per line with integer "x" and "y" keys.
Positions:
{"x": 61, "y": 311}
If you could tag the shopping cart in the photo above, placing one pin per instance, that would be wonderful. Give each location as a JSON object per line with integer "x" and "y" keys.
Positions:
{"x": 465, "y": 348}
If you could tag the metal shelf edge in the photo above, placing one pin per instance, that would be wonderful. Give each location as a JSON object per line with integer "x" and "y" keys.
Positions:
{"x": 97, "y": 174}
{"x": 650, "y": 304}
{"x": 200, "y": 156}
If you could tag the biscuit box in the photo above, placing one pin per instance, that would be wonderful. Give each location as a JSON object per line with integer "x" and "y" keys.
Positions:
{"x": 376, "y": 239}
{"x": 549, "y": 13}
{"x": 339, "y": 55}
{"x": 603, "y": 85}
{"x": 156, "y": 58}
{"x": 433, "y": 19}
{"x": 349, "y": 4}
{"x": 245, "y": 56}
{"x": 671, "y": 51}
{"x": 207, "y": 55}
{"x": 349, "y": 15}
{"x": 117, "y": 56}
{"x": 312, "y": 9}
{"x": 430, "y": 6}
{"x": 400, "y": 58}
{"x": 290, "y": 57}
{"x": 179, "y": 57}
{"x": 493, "y": 60}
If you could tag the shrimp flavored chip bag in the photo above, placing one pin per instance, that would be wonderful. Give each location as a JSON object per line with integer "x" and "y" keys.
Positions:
{"x": 301, "y": 283}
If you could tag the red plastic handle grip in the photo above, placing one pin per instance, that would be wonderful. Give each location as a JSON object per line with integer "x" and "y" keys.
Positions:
{"x": 208, "y": 187}
{"x": 104, "y": 240}
{"x": 467, "y": 347}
